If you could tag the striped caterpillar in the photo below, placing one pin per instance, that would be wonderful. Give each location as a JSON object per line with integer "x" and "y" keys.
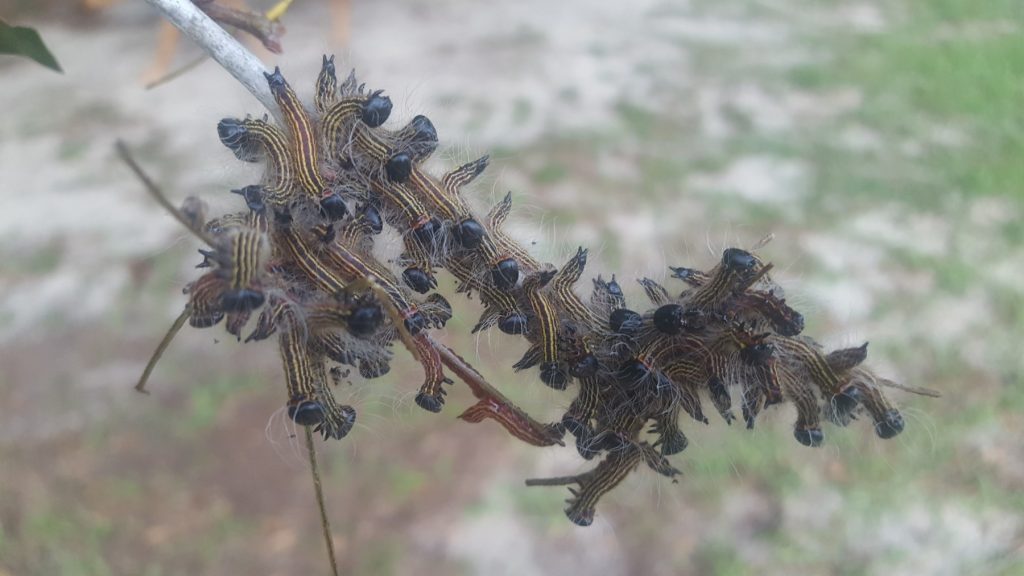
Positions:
{"x": 299, "y": 263}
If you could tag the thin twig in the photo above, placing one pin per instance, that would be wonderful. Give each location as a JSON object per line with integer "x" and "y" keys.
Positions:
{"x": 177, "y": 73}
{"x": 221, "y": 46}
{"x": 157, "y": 194}
{"x": 476, "y": 382}
{"x": 171, "y": 333}
{"x": 324, "y": 522}
{"x": 546, "y": 435}
{"x": 556, "y": 481}
{"x": 267, "y": 31}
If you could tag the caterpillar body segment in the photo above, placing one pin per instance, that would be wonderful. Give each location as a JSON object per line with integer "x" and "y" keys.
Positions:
{"x": 607, "y": 475}
{"x": 310, "y": 401}
{"x": 246, "y": 254}
{"x": 326, "y": 86}
{"x": 888, "y": 421}
{"x": 686, "y": 375}
{"x": 350, "y": 108}
{"x": 448, "y": 204}
{"x": 431, "y": 394}
{"x": 336, "y": 348}
{"x": 532, "y": 357}
{"x": 657, "y": 461}
{"x": 607, "y": 297}
{"x": 270, "y": 317}
{"x": 847, "y": 358}
{"x": 505, "y": 244}
{"x": 418, "y": 138}
{"x": 373, "y": 157}
{"x": 443, "y": 198}
{"x": 770, "y": 311}
{"x": 544, "y": 330}
{"x": 736, "y": 267}
{"x": 806, "y": 358}
{"x": 337, "y": 122}
{"x": 238, "y": 220}
{"x": 501, "y": 308}
{"x": 235, "y": 322}
{"x": 359, "y": 230}
{"x": 306, "y": 145}
{"x": 359, "y": 318}
{"x": 253, "y": 139}
{"x": 578, "y": 418}
{"x": 205, "y": 300}
{"x": 656, "y": 293}
{"x": 300, "y": 376}
{"x": 300, "y": 253}
{"x": 453, "y": 181}
{"x": 692, "y": 277}
{"x": 353, "y": 266}
{"x": 563, "y": 285}
{"x": 403, "y": 209}
{"x": 671, "y": 439}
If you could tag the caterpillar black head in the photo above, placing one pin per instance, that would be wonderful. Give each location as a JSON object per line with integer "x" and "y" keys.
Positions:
{"x": 365, "y": 318}
{"x": 306, "y": 412}
{"x": 333, "y": 207}
{"x": 376, "y": 109}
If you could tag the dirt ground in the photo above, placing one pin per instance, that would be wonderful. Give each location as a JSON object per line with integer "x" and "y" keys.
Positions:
{"x": 877, "y": 141}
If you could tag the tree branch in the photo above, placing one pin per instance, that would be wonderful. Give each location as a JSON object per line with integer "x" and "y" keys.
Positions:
{"x": 221, "y": 46}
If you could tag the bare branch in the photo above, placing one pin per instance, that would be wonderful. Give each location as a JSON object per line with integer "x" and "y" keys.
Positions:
{"x": 221, "y": 46}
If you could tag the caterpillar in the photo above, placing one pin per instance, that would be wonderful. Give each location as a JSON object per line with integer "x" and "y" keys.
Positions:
{"x": 301, "y": 259}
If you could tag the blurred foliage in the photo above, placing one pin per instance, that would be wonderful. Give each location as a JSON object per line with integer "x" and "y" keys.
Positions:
{"x": 26, "y": 42}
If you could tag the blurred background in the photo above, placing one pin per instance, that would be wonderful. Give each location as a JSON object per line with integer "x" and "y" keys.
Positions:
{"x": 881, "y": 141}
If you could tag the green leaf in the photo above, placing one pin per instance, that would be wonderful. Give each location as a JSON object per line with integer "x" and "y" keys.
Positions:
{"x": 22, "y": 41}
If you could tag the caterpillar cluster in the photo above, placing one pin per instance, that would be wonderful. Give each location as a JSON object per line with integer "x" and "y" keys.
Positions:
{"x": 301, "y": 260}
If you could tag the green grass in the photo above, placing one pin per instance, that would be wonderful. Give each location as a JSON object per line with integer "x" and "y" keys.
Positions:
{"x": 721, "y": 558}
{"x": 68, "y": 542}
{"x": 550, "y": 173}
{"x": 936, "y": 67}
{"x": 207, "y": 400}
{"x": 36, "y": 262}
